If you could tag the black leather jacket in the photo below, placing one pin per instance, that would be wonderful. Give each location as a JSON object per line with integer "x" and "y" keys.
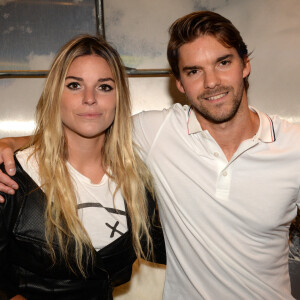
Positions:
{"x": 25, "y": 264}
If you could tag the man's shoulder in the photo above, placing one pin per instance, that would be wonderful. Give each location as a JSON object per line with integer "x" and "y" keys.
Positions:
{"x": 286, "y": 132}
{"x": 284, "y": 125}
{"x": 148, "y": 124}
{"x": 277, "y": 125}
{"x": 159, "y": 116}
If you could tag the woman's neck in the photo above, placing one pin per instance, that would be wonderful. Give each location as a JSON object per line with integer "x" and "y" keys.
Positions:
{"x": 86, "y": 157}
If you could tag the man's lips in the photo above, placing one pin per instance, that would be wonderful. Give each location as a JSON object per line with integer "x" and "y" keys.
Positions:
{"x": 215, "y": 96}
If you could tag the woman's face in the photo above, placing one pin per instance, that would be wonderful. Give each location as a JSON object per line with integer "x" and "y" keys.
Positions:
{"x": 88, "y": 100}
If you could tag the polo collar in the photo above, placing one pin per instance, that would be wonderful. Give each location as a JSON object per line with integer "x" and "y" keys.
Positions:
{"x": 265, "y": 133}
{"x": 193, "y": 125}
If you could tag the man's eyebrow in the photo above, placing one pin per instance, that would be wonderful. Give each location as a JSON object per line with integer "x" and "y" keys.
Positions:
{"x": 188, "y": 68}
{"x": 99, "y": 80}
{"x": 219, "y": 59}
{"x": 224, "y": 57}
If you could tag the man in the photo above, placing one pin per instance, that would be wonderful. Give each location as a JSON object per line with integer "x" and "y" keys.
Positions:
{"x": 227, "y": 176}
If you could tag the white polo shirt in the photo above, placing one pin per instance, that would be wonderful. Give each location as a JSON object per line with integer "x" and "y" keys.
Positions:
{"x": 226, "y": 223}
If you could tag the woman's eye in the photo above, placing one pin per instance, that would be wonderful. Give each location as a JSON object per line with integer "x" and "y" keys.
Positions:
{"x": 105, "y": 87}
{"x": 73, "y": 85}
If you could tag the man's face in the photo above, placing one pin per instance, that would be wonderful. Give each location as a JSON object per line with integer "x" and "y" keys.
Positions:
{"x": 212, "y": 77}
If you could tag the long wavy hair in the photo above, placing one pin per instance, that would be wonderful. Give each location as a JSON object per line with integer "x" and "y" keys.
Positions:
{"x": 119, "y": 158}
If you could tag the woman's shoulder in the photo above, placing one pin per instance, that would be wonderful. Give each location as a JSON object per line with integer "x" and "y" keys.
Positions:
{"x": 28, "y": 164}
{"x": 9, "y": 210}
{"x": 24, "y": 180}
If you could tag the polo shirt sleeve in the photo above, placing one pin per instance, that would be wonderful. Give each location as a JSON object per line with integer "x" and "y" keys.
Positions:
{"x": 146, "y": 125}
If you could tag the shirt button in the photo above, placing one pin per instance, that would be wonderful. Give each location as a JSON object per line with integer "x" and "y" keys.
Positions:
{"x": 216, "y": 154}
{"x": 224, "y": 173}
{"x": 203, "y": 134}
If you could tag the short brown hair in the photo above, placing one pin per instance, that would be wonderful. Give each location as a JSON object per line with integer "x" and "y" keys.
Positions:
{"x": 188, "y": 28}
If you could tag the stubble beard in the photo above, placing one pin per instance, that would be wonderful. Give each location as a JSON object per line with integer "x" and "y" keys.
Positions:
{"x": 216, "y": 115}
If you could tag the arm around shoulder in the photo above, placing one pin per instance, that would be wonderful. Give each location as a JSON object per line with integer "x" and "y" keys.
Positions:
{"x": 7, "y": 148}
{"x": 9, "y": 145}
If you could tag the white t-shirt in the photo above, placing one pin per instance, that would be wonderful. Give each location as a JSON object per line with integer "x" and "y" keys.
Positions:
{"x": 226, "y": 224}
{"x": 103, "y": 220}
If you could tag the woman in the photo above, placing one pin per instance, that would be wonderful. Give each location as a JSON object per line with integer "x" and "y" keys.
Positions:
{"x": 80, "y": 216}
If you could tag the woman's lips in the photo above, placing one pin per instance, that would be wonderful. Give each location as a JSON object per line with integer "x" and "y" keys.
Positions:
{"x": 89, "y": 115}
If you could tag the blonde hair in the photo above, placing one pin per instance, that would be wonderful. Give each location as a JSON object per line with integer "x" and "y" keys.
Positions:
{"x": 119, "y": 157}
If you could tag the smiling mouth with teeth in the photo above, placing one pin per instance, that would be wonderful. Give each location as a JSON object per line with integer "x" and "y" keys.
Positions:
{"x": 216, "y": 97}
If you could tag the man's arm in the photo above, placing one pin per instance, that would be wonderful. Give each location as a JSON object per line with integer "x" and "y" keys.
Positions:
{"x": 7, "y": 148}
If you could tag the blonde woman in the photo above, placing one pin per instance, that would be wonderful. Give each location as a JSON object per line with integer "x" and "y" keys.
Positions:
{"x": 81, "y": 214}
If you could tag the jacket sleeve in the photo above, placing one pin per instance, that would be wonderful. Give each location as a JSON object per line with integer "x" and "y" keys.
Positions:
{"x": 156, "y": 233}
{"x": 7, "y": 289}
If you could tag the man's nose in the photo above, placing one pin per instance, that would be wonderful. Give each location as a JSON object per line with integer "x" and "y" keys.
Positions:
{"x": 211, "y": 79}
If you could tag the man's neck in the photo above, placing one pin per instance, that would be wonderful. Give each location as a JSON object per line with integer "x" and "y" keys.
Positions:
{"x": 229, "y": 135}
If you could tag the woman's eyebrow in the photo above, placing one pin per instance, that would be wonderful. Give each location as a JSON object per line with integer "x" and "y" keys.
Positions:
{"x": 99, "y": 80}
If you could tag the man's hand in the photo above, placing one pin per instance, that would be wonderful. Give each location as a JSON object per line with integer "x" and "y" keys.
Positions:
{"x": 7, "y": 156}
{"x": 7, "y": 185}
{"x": 7, "y": 147}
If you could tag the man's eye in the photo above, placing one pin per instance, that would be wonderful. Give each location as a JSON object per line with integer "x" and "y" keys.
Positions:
{"x": 105, "y": 87}
{"x": 225, "y": 62}
{"x": 73, "y": 85}
{"x": 192, "y": 72}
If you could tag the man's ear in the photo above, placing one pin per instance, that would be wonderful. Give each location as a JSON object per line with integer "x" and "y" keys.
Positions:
{"x": 180, "y": 86}
{"x": 247, "y": 67}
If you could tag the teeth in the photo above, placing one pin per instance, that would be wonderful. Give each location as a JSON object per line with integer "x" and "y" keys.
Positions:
{"x": 216, "y": 97}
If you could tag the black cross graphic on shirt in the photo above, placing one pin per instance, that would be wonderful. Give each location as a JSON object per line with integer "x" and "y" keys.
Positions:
{"x": 114, "y": 229}
{"x": 110, "y": 210}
